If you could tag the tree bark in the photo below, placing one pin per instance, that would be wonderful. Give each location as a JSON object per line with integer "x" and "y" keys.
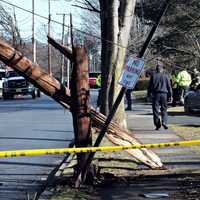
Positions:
{"x": 108, "y": 52}
{"x": 116, "y": 20}
{"x": 79, "y": 106}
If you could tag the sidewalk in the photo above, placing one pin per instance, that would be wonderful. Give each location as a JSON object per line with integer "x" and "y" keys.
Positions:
{"x": 140, "y": 122}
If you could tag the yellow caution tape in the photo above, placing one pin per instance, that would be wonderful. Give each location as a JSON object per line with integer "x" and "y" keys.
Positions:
{"x": 37, "y": 152}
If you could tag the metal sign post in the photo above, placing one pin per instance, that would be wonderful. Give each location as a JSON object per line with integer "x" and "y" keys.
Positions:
{"x": 131, "y": 72}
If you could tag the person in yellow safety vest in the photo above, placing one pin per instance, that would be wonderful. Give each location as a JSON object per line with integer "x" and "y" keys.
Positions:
{"x": 98, "y": 83}
{"x": 184, "y": 80}
{"x": 98, "y": 80}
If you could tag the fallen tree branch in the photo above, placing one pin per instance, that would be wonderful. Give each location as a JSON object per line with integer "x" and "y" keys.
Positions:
{"x": 66, "y": 51}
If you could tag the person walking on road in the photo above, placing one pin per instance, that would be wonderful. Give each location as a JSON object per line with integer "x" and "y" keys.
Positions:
{"x": 160, "y": 90}
{"x": 98, "y": 84}
{"x": 98, "y": 80}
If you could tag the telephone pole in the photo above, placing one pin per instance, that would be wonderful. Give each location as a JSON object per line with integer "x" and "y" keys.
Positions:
{"x": 14, "y": 25}
{"x": 63, "y": 43}
{"x": 68, "y": 62}
{"x": 33, "y": 32}
{"x": 49, "y": 34}
{"x": 68, "y": 43}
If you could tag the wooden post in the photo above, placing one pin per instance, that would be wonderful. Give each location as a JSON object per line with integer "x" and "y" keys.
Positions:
{"x": 79, "y": 106}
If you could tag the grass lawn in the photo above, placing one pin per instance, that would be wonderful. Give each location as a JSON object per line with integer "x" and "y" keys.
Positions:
{"x": 140, "y": 95}
{"x": 187, "y": 132}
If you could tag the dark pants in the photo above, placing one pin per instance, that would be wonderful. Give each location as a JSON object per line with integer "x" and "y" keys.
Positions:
{"x": 183, "y": 91}
{"x": 128, "y": 99}
{"x": 176, "y": 96}
{"x": 159, "y": 103}
{"x": 99, "y": 98}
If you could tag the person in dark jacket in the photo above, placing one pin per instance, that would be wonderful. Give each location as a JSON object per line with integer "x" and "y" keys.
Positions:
{"x": 129, "y": 99}
{"x": 161, "y": 92}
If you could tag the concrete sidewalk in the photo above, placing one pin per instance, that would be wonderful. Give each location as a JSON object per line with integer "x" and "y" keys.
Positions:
{"x": 140, "y": 122}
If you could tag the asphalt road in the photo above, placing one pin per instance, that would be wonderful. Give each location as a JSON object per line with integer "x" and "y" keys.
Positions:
{"x": 30, "y": 124}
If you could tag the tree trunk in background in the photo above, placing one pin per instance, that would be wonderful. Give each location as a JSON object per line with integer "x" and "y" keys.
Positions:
{"x": 116, "y": 20}
{"x": 108, "y": 50}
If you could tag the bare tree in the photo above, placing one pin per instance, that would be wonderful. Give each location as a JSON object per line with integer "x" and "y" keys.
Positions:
{"x": 8, "y": 27}
{"x": 90, "y": 24}
{"x": 177, "y": 40}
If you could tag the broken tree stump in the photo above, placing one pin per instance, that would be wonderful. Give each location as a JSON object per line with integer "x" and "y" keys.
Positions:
{"x": 79, "y": 107}
{"x": 51, "y": 87}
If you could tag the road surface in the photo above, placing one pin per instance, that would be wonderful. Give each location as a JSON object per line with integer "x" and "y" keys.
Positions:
{"x": 30, "y": 124}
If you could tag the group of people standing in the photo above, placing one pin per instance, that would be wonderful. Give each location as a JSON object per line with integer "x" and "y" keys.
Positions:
{"x": 163, "y": 89}
{"x": 182, "y": 82}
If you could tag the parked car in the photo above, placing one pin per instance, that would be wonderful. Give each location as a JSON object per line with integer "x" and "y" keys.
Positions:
{"x": 192, "y": 101}
{"x": 2, "y": 77}
{"x": 15, "y": 84}
{"x": 92, "y": 82}
{"x": 93, "y": 79}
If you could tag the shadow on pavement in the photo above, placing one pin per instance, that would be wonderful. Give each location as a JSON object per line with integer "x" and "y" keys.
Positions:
{"x": 50, "y": 130}
{"x": 191, "y": 125}
{"x": 27, "y": 164}
{"x": 181, "y": 113}
{"x": 45, "y": 139}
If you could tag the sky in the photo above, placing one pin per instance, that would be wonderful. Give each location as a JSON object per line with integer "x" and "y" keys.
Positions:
{"x": 24, "y": 19}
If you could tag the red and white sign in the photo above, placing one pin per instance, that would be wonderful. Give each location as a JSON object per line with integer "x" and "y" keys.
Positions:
{"x": 131, "y": 72}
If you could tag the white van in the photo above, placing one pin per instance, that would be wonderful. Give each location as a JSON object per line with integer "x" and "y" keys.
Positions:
{"x": 2, "y": 78}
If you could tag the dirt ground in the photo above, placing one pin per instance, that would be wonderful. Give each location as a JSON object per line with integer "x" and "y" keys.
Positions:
{"x": 174, "y": 186}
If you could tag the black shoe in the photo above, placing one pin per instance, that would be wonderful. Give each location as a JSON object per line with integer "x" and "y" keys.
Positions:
{"x": 165, "y": 126}
{"x": 128, "y": 109}
{"x": 158, "y": 127}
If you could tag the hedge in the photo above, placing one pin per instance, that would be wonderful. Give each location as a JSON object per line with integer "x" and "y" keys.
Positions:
{"x": 142, "y": 84}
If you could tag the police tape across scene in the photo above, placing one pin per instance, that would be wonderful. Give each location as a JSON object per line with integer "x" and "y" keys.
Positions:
{"x": 37, "y": 152}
